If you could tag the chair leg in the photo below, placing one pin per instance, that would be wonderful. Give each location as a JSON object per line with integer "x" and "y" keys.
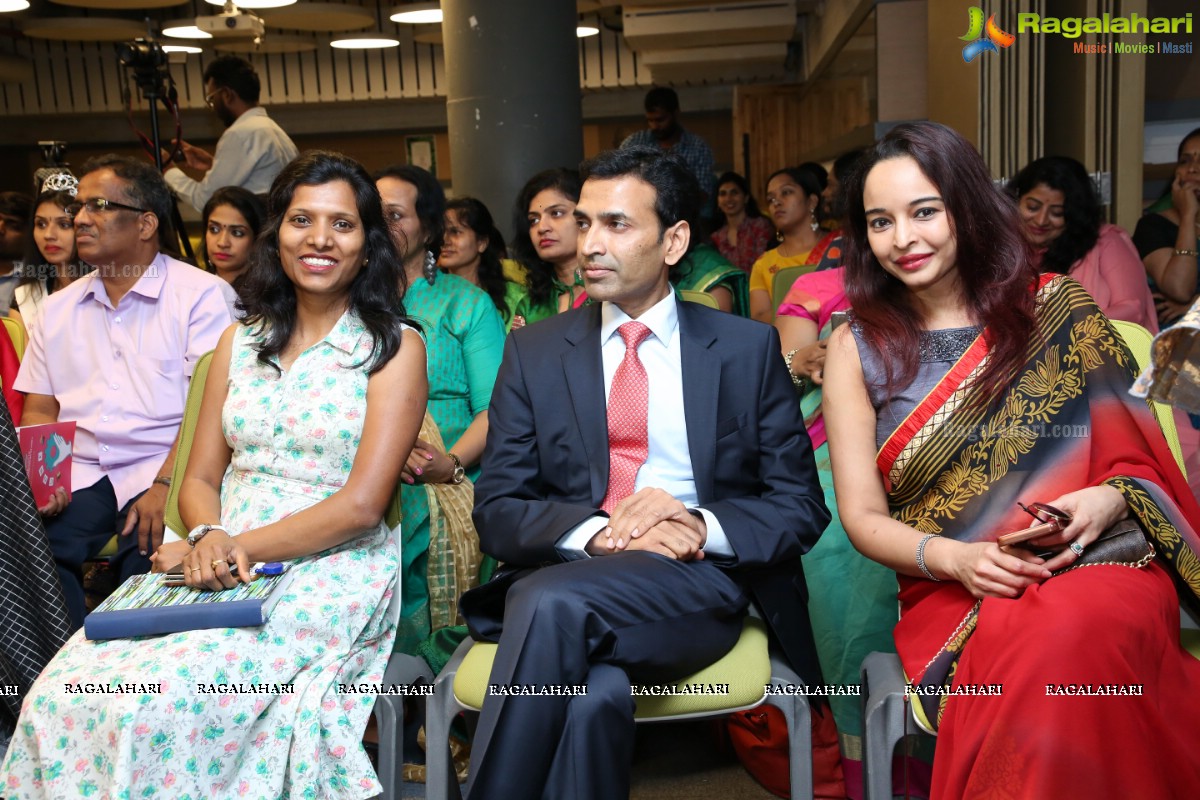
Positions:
{"x": 797, "y": 714}
{"x": 389, "y": 719}
{"x": 883, "y": 689}
{"x": 441, "y": 782}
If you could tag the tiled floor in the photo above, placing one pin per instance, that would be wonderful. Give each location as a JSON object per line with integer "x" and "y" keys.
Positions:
{"x": 679, "y": 761}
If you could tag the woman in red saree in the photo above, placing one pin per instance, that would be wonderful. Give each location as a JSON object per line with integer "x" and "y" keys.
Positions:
{"x": 966, "y": 384}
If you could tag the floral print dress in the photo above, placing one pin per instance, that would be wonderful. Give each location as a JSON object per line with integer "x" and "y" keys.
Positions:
{"x": 181, "y": 715}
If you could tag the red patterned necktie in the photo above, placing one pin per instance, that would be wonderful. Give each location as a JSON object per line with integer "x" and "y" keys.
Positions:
{"x": 628, "y": 408}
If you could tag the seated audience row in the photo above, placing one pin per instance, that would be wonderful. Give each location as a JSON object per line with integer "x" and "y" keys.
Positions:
{"x": 344, "y": 265}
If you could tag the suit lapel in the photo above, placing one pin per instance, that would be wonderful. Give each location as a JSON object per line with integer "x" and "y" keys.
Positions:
{"x": 701, "y": 387}
{"x": 584, "y": 372}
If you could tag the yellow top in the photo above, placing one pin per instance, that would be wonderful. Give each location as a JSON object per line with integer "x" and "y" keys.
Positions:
{"x": 762, "y": 275}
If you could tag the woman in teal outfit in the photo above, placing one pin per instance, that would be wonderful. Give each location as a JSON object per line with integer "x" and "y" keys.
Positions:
{"x": 544, "y": 244}
{"x": 464, "y": 339}
{"x": 473, "y": 250}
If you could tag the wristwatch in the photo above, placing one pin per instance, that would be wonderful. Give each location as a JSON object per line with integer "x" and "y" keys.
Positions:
{"x": 460, "y": 474}
{"x": 200, "y": 531}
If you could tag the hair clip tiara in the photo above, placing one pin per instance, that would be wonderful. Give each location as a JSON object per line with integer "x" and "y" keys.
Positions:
{"x": 61, "y": 182}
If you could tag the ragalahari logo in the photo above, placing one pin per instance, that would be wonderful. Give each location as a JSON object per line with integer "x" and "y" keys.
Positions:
{"x": 982, "y": 38}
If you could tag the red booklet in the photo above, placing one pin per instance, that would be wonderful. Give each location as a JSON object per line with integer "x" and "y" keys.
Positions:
{"x": 46, "y": 450}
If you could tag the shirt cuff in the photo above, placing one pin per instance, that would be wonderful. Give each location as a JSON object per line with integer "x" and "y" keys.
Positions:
{"x": 571, "y": 545}
{"x": 716, "y": 543}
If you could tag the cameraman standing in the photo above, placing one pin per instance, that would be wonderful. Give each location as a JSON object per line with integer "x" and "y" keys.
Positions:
{"x": 250, "y": 153}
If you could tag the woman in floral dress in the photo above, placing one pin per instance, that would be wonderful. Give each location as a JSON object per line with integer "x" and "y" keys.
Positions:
{"x": 307, "y": 403}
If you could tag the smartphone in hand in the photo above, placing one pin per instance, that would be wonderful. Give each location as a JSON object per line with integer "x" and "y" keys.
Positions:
{"x": 1016, "y": 537}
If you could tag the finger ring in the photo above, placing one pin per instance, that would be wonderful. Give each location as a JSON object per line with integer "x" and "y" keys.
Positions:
{"x": 217, "y": 562}
{"x": 197, "y": 569}
{"x": 1076, "y": 548}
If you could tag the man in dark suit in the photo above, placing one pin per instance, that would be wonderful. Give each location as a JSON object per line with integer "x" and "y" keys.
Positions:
{"x": 647, "y": 474}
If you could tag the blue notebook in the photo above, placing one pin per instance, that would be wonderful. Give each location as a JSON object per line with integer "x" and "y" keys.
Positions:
{"x": 142, "y": 606}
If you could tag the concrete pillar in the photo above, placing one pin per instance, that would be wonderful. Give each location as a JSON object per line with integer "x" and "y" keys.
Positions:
{"x": 513, "y": 98}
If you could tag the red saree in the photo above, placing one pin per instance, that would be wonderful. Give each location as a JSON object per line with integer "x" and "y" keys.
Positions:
{"x": 1065, "y": 422}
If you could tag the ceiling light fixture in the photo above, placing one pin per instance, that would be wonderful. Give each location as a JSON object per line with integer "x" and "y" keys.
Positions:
{"x": 253, "y": 4}
{"x": 417, "y": 13}
{"x": 184, "y": 29}
{"x": 364, "y": 41}
{"x": 13, "y": 5}
{"x": 181, "y": 48}
{"x": 584, "y": 31}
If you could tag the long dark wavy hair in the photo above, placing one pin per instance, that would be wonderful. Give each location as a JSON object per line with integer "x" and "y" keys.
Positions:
{"x": 1081, "y": 208}
{"x": 241, "y": 200}
{"x": 35, "y": 268}
{"x": 472, "y": 213}
{"x": 540, "y": 273}
{"x": 993, "y": 260}
{"x": 268, "y": 298}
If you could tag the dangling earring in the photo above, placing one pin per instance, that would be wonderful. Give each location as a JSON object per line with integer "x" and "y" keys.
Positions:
{"x": 429, "y": 268}
{"x": 578, "y": 277}
{"x": 816, "y": 226}
{"x": 779, "y": 236}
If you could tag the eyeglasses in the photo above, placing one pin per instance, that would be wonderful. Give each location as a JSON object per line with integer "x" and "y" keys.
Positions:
{"x": 98, "y": 204}
{"x": 1044, "y": 512}
{"x": 208, "y": 98}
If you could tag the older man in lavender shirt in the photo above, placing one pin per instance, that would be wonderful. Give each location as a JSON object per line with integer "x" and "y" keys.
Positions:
{"x": 114, "y": 352}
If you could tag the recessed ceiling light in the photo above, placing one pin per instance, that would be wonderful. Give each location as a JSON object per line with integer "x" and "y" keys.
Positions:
{"x": 364, "y": 41}
{"x": 417, "y": 13}
{"x": 13, "y": 5}
{"x": 584, "y": 31}
{"x": 181, "y": 48}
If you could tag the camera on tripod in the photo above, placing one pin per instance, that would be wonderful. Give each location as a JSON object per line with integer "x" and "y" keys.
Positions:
{"x": 142, "y": 55}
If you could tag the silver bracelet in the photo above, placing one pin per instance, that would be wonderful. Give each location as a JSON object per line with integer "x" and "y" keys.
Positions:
{"x": 921, "y": 557}
{"x": 797, "y": 380}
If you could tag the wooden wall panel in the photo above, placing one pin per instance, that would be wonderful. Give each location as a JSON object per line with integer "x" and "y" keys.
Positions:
{"x": 791, "y": 124}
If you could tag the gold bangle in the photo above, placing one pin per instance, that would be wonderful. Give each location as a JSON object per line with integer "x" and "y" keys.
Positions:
{"x": 1179, "y": 251}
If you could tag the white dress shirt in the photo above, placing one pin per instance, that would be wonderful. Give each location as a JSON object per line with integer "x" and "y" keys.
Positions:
{"x": 668, "y": 464}
{"x": 250, "y": 153}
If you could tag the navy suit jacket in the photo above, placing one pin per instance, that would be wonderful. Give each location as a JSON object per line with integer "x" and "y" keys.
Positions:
{"x": 545, "y": 467}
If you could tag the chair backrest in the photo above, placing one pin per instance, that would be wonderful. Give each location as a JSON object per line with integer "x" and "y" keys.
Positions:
{"x": 1139, "y": 341}
{"x": 703, "y": 298}
{"x": 16, "y": 332}
{"x": 782, "y": 284}
{"x": 187, "y": 429}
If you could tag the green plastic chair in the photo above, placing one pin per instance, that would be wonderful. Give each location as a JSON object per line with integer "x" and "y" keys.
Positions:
{"x": 748, "y": 669}
{"x": 703, "y": 298}
{"x": 187, "y": 430}
{"x": 16, "y": 332}
{"x": 783, "y": 281}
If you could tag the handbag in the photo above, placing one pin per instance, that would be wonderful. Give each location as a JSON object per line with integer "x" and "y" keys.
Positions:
{"x": 1122, "y": 544}
{"x": 760, "y": 739}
